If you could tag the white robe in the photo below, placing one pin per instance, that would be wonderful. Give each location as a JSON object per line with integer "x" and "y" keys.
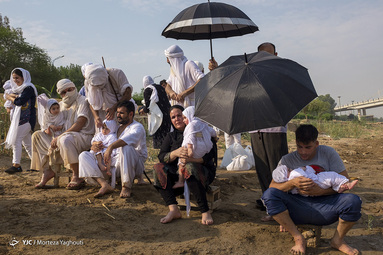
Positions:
{"x": 71, "y": 144}
{"x": 191, "y": 75}
{"x": 129, "y": 161}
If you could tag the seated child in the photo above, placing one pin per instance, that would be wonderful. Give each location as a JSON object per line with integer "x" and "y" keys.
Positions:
{"x": 107, "y": 136}
{"x": 54, "y": 119}
{"x": 197, "y": 140}
{"x": 324, "y": 179}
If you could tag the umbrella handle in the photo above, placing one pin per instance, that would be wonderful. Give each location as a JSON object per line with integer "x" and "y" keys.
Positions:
{"x": 211, "y": 48}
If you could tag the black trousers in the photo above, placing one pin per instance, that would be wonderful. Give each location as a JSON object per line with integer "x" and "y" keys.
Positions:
{"x": 268, "y": 149}
{"x": 196, "y": 188}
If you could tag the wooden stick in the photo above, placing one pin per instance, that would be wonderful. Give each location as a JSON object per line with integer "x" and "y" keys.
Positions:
{"x": 105, "y": 207}
{"x": 110, "y": 215}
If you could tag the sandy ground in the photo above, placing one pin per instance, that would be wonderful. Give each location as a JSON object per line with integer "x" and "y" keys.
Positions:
{"x": 60, "y": 221}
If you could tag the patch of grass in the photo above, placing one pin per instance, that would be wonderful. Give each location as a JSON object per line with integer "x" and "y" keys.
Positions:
{"x": 339, "y": 129}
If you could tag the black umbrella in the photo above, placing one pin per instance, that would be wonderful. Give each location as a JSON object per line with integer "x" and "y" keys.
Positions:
{"x": 251, "y": 92}
{"x": 209, "y": 21}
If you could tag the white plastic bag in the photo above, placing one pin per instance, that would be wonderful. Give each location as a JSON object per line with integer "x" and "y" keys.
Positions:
{"x": 234, "y": 150}
{"x": 239, "y": 163}
{"x": 250, "y": 155}
{"x": 227, "y": 157}
{"x": 154, "y": 117}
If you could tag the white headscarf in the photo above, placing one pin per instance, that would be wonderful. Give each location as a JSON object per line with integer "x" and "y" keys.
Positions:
{"x": 147, "y": 82}
{"x": 83, "y": 67}
{"x": 70, "y": 97}
{"x": 49, "y": 118}
{"x": 27, "y": 82}
{"x": 112, "y": 125}
{"x": 196, "y": 126}
{"x": 97, "y": 78}
{"x": 7, "y": 85}
{"x": 8, "y": 90}
{"x": 177, "y": 65}
{"x": 12, "y": 132}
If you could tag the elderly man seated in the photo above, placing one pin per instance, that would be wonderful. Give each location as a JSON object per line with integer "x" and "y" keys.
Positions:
{"x": 131, "y": 154}
{"x": 65, "y": 149}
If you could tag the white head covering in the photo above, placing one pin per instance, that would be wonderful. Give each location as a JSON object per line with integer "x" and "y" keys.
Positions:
{"x": 7, "y": 90}
{"x": 200, "y": 65}
{"x": 83, "y": 67}
{"x": 49, "y": 118}
{"x": 27, "y": 82}
{"x": 148, "y": 83}
{"x": 112, "y": 125}
{"x": 96, "y": 80}
{"x": 147, "y": 80}
{"x": 280, "y": 174}
{"x": 70, "y": 97}
{"x": 12, "y": 132}
{"x": 7, "y": 85}
{"x": 196, "y": 126}
{"x": 177, "y": 64}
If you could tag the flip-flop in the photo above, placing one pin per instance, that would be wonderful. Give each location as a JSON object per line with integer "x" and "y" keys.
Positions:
{"x": 76, "y": 185}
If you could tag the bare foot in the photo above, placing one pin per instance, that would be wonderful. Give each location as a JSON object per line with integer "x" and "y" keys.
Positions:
{"x": 104, "y": 190}
{"x": 267, "y": 218}
{"x": 206, "y": 218}
{"x": 47, "y": 175}
{"x": 343, "y": 247}
{"x": 141, "y": 181}
{"x": 75, "y": 183}
{"x": 178, "y": 185}
{"x": 347, "y": 186}
{"x": 300, "y": 246}
{"x": 172, "y": 215}
{"x": 125, "y": 192}
{"x": 282, "y": 229}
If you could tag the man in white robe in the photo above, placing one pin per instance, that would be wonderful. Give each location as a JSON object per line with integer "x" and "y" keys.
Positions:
{"x": 104, "y": 88}
{"x": 184, "y": 76}
{"x": 131, "y": 150}
{"x": 79, "y": 128}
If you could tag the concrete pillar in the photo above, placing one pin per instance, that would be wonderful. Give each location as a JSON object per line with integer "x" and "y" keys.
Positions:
{"x": 364, "y": 112}
{"x": 359, "y": 114}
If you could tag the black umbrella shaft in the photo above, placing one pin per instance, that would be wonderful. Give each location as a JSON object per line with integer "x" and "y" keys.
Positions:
{"x": 211, "y": 41}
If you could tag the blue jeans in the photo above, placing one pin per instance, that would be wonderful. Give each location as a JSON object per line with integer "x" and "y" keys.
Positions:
{"x": 321, "y": 210}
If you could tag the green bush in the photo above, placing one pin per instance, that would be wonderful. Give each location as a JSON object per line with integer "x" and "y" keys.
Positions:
{"x": 326, "y": 116}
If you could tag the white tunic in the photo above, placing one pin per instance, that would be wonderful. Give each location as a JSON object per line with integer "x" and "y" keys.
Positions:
{"x": 191, "y": 75}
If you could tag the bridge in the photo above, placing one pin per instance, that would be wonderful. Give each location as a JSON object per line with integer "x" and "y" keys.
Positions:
{"x": 360, "y": 106}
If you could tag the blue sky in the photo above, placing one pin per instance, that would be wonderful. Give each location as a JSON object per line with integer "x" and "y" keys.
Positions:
{"x": 339, "y": 41}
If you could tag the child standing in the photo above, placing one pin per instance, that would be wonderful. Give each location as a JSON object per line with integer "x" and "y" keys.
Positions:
{"x": 197, "y": 140}
{"x": 106, "y": 137}
{"x": 24, "y": 116}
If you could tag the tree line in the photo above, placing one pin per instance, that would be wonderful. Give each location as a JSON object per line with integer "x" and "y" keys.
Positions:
{"x": 16, "y": 52}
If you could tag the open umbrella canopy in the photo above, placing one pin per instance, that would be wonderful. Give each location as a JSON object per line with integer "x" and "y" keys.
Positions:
{"x": 208, "y": 21}
{"x": 255, "y": 91}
